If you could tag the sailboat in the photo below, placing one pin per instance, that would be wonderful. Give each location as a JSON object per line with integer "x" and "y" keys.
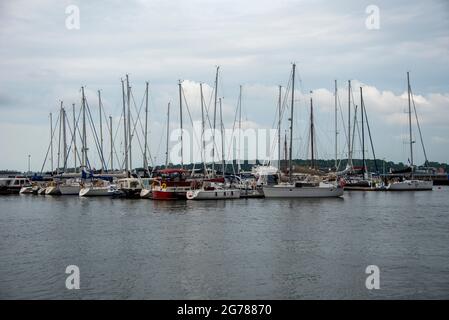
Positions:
{"x": 300, "y": 189}
{"x": 212, "y": 188}
{"x": 411, "y": 184}
{"x": 98, "y": 188}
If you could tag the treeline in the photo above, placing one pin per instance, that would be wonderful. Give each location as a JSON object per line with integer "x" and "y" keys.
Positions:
{"x": 379, "y": 166}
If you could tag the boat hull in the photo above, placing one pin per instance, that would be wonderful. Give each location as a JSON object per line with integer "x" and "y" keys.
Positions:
{"x": 213, "y": 194}
{"x": 96, "y": 192}
{"x": 145, "y": 194}
{"x": 52, "y": 191}
{"x": 411, "y": 185}
{"x": 27, "y": 190}
{"x": 69, "y": 189}
{"x": 302, "y": 192}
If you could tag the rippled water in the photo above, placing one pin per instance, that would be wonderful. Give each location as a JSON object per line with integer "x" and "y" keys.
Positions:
{"x": 255, "y": 248}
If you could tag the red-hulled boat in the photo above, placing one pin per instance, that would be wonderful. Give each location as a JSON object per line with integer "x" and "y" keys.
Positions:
{"x": 171, "y": 184}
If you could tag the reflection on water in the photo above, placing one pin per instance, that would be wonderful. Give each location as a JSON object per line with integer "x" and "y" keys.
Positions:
{"x": 245, "y": 248}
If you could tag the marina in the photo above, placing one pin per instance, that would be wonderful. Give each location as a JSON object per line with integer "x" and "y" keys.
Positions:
{"x": 224, "y": 156}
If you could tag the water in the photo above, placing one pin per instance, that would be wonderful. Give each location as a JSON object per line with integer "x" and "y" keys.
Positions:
{"x": 252, "y": 249}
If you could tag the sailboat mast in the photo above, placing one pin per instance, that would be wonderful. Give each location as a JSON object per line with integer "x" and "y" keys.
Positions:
{"x": 130, "y": 135}
{"x": 312, "y": 138}
{"x": 64, "y": 137}
{"x": 125, "y": 131}
{"x": 410, "y": 121}
{"x": 290, "y": 176}
{"x": 223, "y": 164}
{"x": 363, "y": 131}
{"x": 101, "y": 131}
{"x": 239, "y": 167}
{"x": 215, "y": 117}
{"x": 180, "y": 120}
{"x": 336, "y": 126}
{"x": 279, "y": 126}
{"x": 203, "y": 142}
{"x": 74, "y": 137}
{"x": 145, "y": 161}
{"x": 59, "y": 139}
{"x": 112, "y": 143}
{"x": 349, "y": 125}
{"x": 168, "y": 132}
{"x": 51, "y": 142}
{"x": 84, "y": 135}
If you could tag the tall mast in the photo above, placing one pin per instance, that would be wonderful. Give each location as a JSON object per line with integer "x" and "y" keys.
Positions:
{"x": 336, "y": 126}
{"x": 145, "y": 161}
{"x": 64, "y": 137}
{"x": 410, "y": 121}
{"x": 101, "y": 131}
{"x": 51, "y": 142}
{"x": 312, "y": 138}
{"x": 215, "y": 117}
{"x": 349, "y": 126}
{"x": 59, "y": 139}
{"x": 180, "y": 120}
{"x": 84, "y": 135}
{"x": 130, "y": 135}
{"x": 74, "y": 137}
{"x": 239, "y": 167}
{"x": 290, "y": 174}
{"x": 285, "y": 148}
{"x": 112, "y": 143}
{"x": 203, "y": 142}
{"x": 125, "y": 131}
{"x": 223, "y": 165}
{"x": 363, "y": 131}
{"x": 279, "y": 126}
{"x": 168, "y": 132}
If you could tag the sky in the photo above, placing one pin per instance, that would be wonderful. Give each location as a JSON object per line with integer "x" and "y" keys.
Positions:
{"x": 42, "y": 62}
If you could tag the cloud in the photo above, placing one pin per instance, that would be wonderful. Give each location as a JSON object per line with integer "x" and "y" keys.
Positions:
{"x": 254, "y": 42}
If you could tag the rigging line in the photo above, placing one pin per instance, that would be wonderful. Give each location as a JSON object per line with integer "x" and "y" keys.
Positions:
{"x": 191, "y": 121}
{"x": 106, "y": 120}
{"x": 353, "y": 130}
{"x": 419, "y": 129}
{"x": 114, "y": 140}
{"x": 232, "y": 134}
{"x": 73, "y": 138}
{"x": 140, "y": 122}
{"x": 284, "y": 107}
{"x": 370, "y": 138}
{"x": 96, "y": 140}
{"x": 49, "y": 145}
{"x": 210, "y": 125}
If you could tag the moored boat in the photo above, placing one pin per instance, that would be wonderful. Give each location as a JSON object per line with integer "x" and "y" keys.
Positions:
{"x": 210, "y": 191}
{"x": 303, "y": 190}
{"x": 411, "y": 185}
{"x": 13, "y": 185}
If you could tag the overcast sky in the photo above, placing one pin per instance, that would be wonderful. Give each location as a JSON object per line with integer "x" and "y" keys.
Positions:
{"x": 254, "y": 42}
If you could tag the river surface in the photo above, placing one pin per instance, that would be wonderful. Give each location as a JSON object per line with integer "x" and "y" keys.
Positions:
{"x": 235, "y": 249}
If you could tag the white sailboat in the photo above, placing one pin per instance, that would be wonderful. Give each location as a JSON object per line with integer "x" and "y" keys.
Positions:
{"x": 303, "y": 190}
{"x": 211, "y": 191}
{"x": 70, "y": 187}
{"x": 300, "y": 189}
{"x": 99, "y": 188}
{"x": 411, "y": 184}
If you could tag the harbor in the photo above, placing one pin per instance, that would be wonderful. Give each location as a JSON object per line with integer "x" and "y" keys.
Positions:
{"x": 223, "y": 158}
